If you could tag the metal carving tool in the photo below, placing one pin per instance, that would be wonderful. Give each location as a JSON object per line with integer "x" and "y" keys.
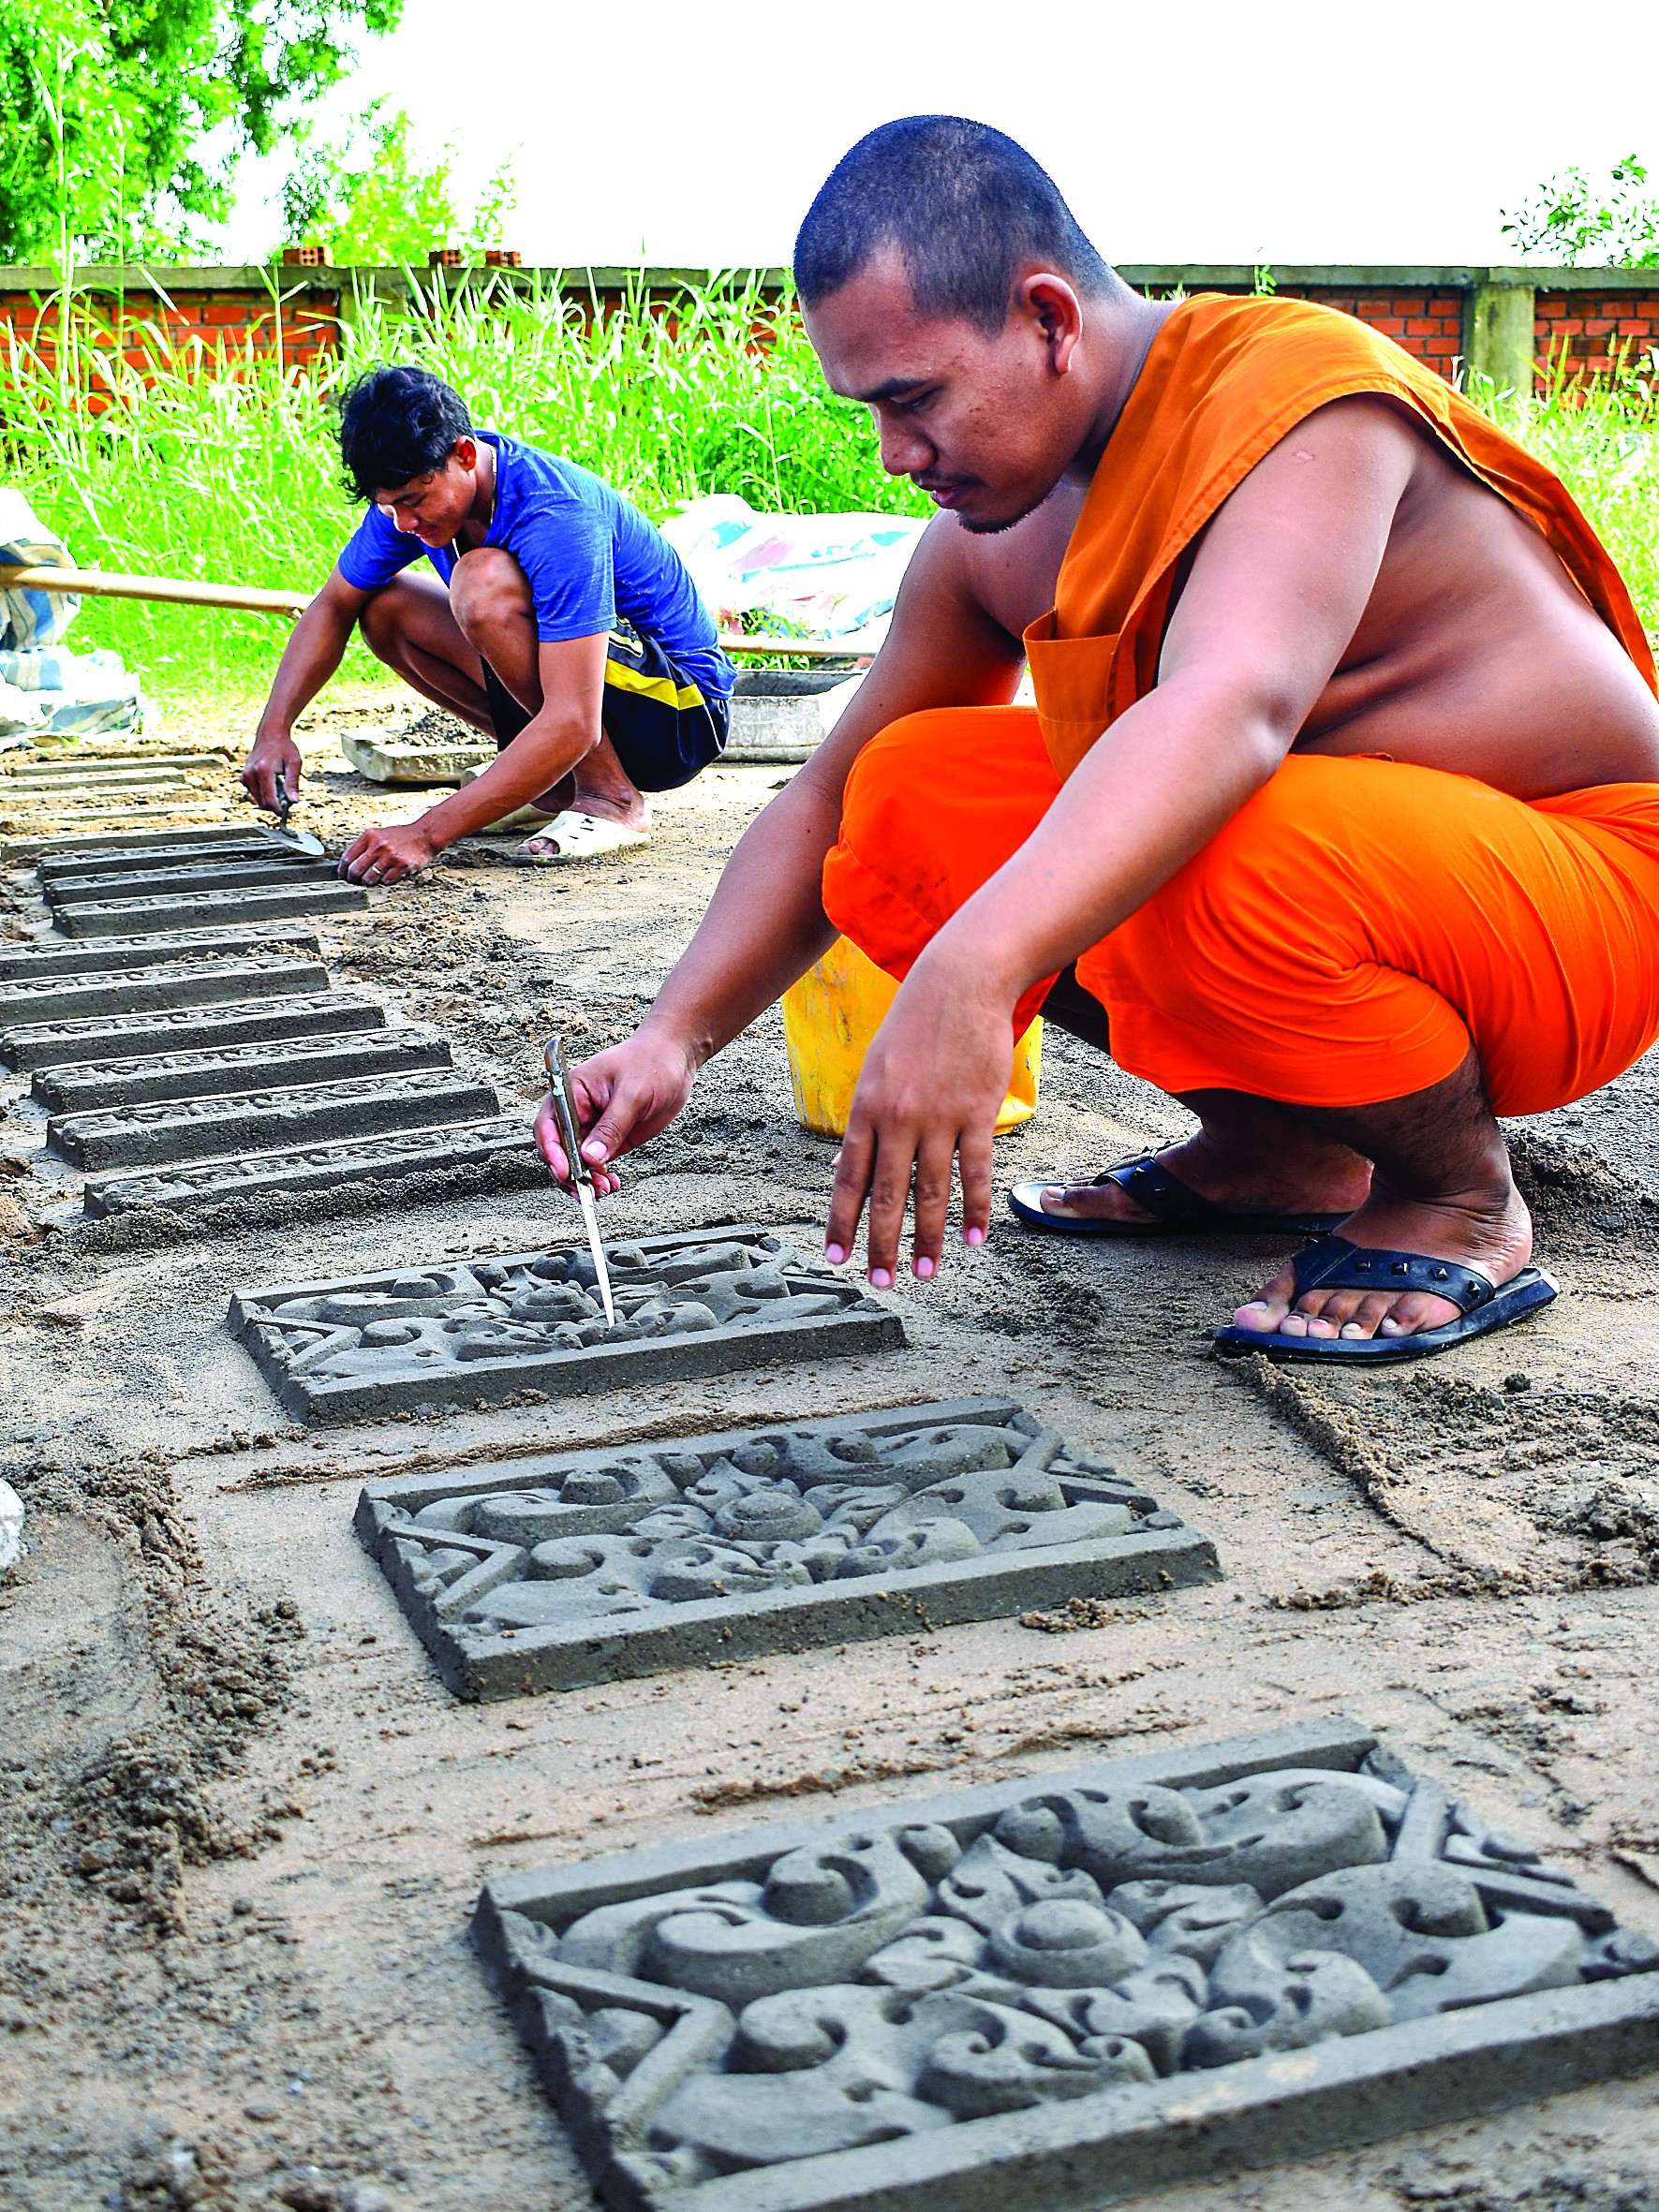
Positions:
{"x": 564, "y": 1107}
{"x": 295, "y": 840}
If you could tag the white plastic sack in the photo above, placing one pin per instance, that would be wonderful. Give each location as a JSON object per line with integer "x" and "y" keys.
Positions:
{"x": 11, "y": 1527}
{"x": 31, "y": 617}
{"x": 831, "y": 576}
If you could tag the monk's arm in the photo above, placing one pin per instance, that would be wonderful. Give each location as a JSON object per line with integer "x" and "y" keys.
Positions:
{"x": 1275, "y": 594}
{"x": 765, "y": 925}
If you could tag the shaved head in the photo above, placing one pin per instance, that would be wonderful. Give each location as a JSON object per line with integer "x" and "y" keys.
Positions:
{"x": 967, "y": 210}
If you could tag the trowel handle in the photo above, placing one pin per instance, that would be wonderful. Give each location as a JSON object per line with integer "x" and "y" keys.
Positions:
{"x": 564, "y": 1107}
{"x": 283, "y": 804}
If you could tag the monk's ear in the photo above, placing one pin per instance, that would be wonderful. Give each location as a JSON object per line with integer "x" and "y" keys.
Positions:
{"x": 1051, "y": 305}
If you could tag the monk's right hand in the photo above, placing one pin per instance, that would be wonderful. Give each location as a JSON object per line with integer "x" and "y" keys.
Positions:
{"x": 269, "y": 757}
{"x": 624, "y": 1097}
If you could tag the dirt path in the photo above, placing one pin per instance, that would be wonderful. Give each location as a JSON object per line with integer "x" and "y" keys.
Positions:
{"x": 242, "y": 1825}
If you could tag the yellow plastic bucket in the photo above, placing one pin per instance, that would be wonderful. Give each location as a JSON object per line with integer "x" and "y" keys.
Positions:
{"x": 829, "y": 1019}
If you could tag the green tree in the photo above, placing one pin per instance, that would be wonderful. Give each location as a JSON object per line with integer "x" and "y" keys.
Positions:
{"x": 1574, "y": 219}
{"x": 371, "y": 202}
{"x": 107, "y": 105}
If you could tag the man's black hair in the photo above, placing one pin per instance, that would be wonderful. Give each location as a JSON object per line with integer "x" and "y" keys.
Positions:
{"x": 965, "y": 207}
{"x": 395, "y": 424}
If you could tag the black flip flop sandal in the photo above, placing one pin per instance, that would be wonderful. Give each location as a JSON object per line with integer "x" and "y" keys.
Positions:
{"x": 1175, "y": 1204}
{"x": 1335, "y": 1264}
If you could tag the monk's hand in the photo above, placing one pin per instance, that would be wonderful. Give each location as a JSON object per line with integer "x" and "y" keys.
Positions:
{"x": 928, "y": 1097}
{"x": 623, "y": 1099}
{"x": 387, "y": 855}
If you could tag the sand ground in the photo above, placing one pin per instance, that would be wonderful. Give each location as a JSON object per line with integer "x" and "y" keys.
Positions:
{"x": 242, "y": 1825}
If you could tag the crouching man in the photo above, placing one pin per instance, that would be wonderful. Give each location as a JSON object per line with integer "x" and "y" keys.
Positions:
{"x": 1337, "y": 816}
{"x": 559, "y": 623}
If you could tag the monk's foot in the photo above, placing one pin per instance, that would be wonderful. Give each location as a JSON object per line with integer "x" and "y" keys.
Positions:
{"x": 1300, "y": 1172}
{"x": 1487, "y": 1229}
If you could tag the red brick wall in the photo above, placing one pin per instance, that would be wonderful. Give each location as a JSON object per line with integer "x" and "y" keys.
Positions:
{"x": 1592, "y": 333}
{"x": 1426, "y": 323}
{"x": 143, "y": 328}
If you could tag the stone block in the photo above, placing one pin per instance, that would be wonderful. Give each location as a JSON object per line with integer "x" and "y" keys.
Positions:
{"x": 1054, "y": 1992}
{"x": 392, "y": 760}
{"x": 178, "y": 910}
{"x": 585, "y": 1567}
{"x": 262, "y": 1121}
{"x": 229, "y": 1070}
{"x": 23, "y": 964}
{"x": 703, "y": 1303}
{"x": 101, "y": 841}
{"x": 61, "y": 1045}
{"x": 175, "y": 984}
{"x": 187, "y": 851}
{"x": 270, "y": 871}
{"x": 499, "y": 1146}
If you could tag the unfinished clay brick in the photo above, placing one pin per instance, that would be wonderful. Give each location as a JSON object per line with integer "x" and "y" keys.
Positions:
{"x": 39, "y": 963}
{"x": 178, "y": 984}
{"x": 118, "y": 916}
{"x": 129, "y": 1037}
{"x": 500, "y": 1149}
{"x": 699, "y": 1303}
{"x": 584, "y": 1567}
{"x": 271, "y": 872}
{"x": 1063, "y": 1991}
{"x": 237, "y": 1068}
{"x": 261, "y": 1121}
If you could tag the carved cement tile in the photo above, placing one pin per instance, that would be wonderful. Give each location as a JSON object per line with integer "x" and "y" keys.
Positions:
{"x": 1065, "y": 1990}
{"x": 304, "y": 1059}
{"x": 209, "y": 1128}
{"x": 460, "y": 1334}
{"x": 60, "y": 1045}
{"x": 581, "y": 1567}
{"x": 473, "y": 1155}
{"x": 192, "y": 852}
{"x": 269, "y": 872}
{"x": 178, "y": 909}
{"x": 43, "y": 962}
{"x": 90, "y": 996}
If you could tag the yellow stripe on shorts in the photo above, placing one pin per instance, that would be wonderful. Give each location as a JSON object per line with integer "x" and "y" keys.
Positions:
{"x": 662, "y": 688}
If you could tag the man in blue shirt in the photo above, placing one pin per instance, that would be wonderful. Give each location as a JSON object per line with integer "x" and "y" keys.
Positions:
{"x": 559, "y": 621}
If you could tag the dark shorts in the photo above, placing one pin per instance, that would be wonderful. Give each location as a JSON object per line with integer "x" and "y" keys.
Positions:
{"x": 663, "y": 729}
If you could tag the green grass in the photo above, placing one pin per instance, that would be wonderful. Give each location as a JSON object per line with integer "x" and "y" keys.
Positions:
{"x": 223, "y": 467}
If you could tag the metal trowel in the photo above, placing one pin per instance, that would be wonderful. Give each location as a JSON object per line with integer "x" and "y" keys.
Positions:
{"x": 300, "y": 841}
{"x": 569, "y": 1132}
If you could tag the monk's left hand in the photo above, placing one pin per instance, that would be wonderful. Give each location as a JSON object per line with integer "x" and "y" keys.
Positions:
{"x": 933, "y": 1082}
{"x": 387, "y": 855}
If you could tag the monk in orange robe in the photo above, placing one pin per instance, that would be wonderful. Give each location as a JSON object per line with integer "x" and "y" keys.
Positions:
{"x": 1337, "y": 815}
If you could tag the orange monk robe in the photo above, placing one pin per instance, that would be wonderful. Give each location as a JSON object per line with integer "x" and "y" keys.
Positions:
{"x": 1359, "y": 922}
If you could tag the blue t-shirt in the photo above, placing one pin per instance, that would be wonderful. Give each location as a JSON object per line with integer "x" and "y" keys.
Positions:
{"x": 590, "y": 557}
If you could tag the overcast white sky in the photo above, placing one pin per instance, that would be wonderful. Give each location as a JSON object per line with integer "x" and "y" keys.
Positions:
{"x": 677, "y": 131}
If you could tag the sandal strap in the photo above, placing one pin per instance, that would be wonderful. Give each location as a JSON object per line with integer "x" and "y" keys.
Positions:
{"x": 1336, "y": 1264}
{"x": 1165, "y": 1196}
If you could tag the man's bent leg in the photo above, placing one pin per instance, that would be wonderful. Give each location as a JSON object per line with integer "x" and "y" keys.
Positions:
{"x": 408, "y": 625}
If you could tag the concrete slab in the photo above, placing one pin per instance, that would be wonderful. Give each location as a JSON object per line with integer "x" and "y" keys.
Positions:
{"x": 500, "y": 1148}
{"x": 1058, "y": 1994}
{"x": 117, "y": 917}
{"x": 47, "y": 771}
{"x": 260, "y": 1121}
{"x": 589, "y": 1567}
{"x": 269, "y": 871}
{"x": 48, "y": 790}
{"x": 392, "y": 760}
{"x": 236, "y": 1068}
{"x": 91, "y": 840}
{"x": 321, "y": 1014}
{"x": 24, "y": 964}
{"x": 706, "y": 1302}
{"x": 185, "y": 852}
{"x": 174, "y": 984}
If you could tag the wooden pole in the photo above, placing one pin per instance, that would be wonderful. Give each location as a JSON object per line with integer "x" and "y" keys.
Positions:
{"x": 106, "y": 584}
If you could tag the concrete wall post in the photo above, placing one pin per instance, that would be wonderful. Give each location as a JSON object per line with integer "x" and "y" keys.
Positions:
{"x": 1497, "y": 312}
